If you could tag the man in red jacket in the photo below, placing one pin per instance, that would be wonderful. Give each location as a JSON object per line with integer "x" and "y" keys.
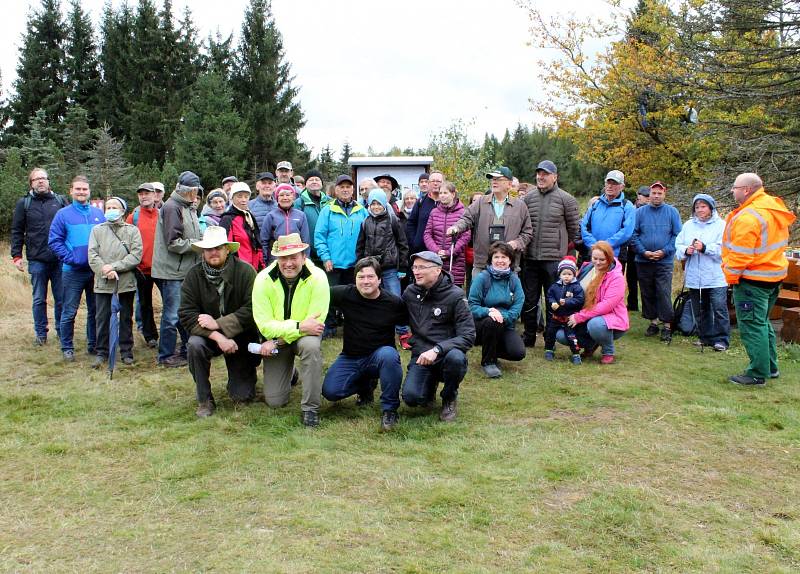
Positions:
{"x": 145, "y": 218}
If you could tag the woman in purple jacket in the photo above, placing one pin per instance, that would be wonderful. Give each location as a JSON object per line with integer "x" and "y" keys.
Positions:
{"x": 436, "y": 239}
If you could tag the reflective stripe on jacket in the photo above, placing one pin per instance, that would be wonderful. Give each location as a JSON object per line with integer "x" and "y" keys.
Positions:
{"x": 756, "y": 234}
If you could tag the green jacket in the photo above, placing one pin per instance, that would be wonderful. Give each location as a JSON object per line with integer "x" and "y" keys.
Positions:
{"x": 199, "y": 295}
{"x": 177, "y": 228}
{"x": 309, "y": 297}
{"x": 119, "y": 245}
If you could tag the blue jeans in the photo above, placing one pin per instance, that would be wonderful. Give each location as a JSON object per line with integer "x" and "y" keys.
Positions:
{"x": 42, "y": 272}
{"x": 422, "y": 380}
{"x": 710, "y": 308}
{"x": 170, "y": 325}
{"x": 75, "y": 282}
{"x": 348, "y": 375}
{"x": 391, "y": 283}
{"x": 596, "y": 330}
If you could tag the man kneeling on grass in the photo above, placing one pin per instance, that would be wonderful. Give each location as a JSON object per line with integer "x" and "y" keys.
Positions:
{"x": 216, "y": 310}
{"x": 368, "y": 352}
{"x": 443, "y": 331}
{"x": 290, "y": 300}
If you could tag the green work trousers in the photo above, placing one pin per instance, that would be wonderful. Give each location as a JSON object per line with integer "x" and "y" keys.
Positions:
{"x": 753, "y": 305}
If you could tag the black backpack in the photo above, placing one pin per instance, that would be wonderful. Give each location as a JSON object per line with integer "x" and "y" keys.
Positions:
{"x": 683, "y": 320}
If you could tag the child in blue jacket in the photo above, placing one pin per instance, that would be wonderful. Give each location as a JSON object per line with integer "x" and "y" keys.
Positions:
{"x": 564, "y": 297}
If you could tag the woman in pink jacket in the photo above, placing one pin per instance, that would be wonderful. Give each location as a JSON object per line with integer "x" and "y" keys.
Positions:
{"x": 604, "y": 317}
{"x": 436, "y": 239}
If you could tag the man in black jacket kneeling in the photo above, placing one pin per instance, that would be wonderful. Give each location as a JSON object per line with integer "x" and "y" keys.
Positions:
{"x": 443, "y": 331}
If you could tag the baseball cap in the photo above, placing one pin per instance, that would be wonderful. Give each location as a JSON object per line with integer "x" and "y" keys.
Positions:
{"x": 284, "y": 165}
{"x": 265, "y": 175}
{"x": 501, "y": 171}
{"x": 644, "y": 191}
{"x": 547, "y": 166}
{"x": 342, "y": 178}
{"x": 615, "y": 175}
{"x": 230, "y": 178}
{"x": 145, "y": 187}
{"x": 429, "y": 256}
{"x": 189, "y": 179}
{"x": 658, "y": 184}
{"x": 239, "y": 187}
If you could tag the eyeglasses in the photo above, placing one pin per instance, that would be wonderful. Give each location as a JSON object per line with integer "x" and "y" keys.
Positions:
{"x": 739, "y": 187}
{"x": 39, "y": 179}
{"x": 422, "y": 267}
{"x": 364, "y": 188}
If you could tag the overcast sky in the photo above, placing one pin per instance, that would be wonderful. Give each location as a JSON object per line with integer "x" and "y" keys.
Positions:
{"x": 380, "y": 72}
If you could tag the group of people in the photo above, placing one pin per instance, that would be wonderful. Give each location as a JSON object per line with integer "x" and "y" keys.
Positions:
{"x": 262, "y": 280}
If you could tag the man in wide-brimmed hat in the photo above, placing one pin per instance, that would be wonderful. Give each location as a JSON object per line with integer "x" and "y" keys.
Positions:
{"x": 216, "y": 311}
{"x": 290, "y": 301}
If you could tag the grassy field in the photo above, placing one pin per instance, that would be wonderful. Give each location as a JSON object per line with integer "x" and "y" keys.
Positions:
{"x": 652, "y": 464}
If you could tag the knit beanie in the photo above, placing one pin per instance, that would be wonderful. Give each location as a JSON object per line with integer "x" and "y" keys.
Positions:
{"x": 568, "y": 262}
{"x": 377, "y": 194}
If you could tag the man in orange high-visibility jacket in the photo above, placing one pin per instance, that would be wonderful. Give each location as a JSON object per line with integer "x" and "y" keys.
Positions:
{"x": 753, "y": 260}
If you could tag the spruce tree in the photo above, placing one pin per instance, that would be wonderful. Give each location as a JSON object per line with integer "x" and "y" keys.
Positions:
{"x": 219, "y": 56}
{"x": 77, "y": 138}
{"x": 83, "y": 73}
{"x": 116, "y": 59}
{"x": 209, "y": 142}
{"x": 38, "y": 147}
{"x": 264, "y": 93}
{"x": 40, "y": 82}
{"x": 107, "y": 168}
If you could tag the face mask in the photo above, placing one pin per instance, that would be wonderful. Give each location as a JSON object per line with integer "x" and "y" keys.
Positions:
{"x": 113, "y": 214}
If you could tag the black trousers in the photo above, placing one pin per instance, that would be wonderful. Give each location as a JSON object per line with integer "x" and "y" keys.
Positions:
{"x": 103, "y": 318}
{"x": 144, "y": 288}
{"x": 569, "y": 332}
{"x": 655, "y": 284}
{"x": 536, "y": 279}
{"x": 632, "y": 279}
{"x": 498, "y": 342}
{"x": 241, "y": 368}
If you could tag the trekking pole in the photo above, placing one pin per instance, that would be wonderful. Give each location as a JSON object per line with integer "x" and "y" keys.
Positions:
{"x": 452, "y": 249}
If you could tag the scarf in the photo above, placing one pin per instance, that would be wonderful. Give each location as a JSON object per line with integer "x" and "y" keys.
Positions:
{"x": 499, "y": 273}
{"x": 248, "y": 217}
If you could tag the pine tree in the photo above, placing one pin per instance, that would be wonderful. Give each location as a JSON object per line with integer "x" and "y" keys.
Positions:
{"x": 40, "y": 82}
{"x": 148, "y": 97}
{"x": 83, "y": 74}
{"x": 38, "y": 148}
{"x": 77, "y": 138}
{"x": 107, "y": 168}
{"x": 209, "y": 142}
{"x": 219, "y": 56}
{"x": 116, "y": 59}
{"x": 264, "y": 95}
{"x": 326, "y": 164}
{"x": 344, "y": 158}
{"x": 13, "y": 184}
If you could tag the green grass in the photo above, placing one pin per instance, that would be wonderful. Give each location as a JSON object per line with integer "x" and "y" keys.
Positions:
{"x": 653, "y": 464}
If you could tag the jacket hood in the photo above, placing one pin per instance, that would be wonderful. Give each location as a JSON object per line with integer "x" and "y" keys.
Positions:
{"x": 763, "y": 200}
{"x": 710, "y": 201}
{"x": 378, "y": 195}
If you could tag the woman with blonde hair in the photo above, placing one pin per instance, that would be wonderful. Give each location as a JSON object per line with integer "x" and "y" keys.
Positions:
{"x": 604, "y": 317}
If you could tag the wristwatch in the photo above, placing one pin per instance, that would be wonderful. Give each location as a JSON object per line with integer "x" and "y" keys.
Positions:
{"x": 438, "y": 349}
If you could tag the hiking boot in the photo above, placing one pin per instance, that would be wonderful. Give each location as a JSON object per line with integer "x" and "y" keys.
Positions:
{"x": 91, "y": 351}
{"x": 152, "y": 343}
{"x": 492, "y": 371}
{"x": 127, "y": 361}
{"x": 774, "y": 374}
{"x": 588, "y": 352}
{"x": 328, "y": 333}
{"x": 606, "y": 359}
{"x": 549, "y": 355}
{"x": 529, "y": 340}
{"x": 310, "y": 419}
{"x": 205, "y": 409}
{"x": 747, "y": 381}
{"x": 666, "y": 335}
{"x": 40, "y": 341}
{"x": 173, "y": 362}
{"x": 389, "y": 420}
{"x": 98, "y": 362}
{"x": 449, "y": 410}
{"x": 720, "y": 347}
{"x": 404, "y": 341}
{"x": 652, "y": 330}
{"x": 576, "y": 359}
{"x": 69, "y": 356}
{"x": 366, "y": 395}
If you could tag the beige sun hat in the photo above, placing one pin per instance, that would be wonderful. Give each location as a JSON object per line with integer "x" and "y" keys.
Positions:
{"x": 214, "y": 237}
{"x": 288, "y": 245}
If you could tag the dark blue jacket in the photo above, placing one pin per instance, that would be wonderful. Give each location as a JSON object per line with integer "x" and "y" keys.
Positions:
{"x": 656, "y": 228}
{"x": 415, "y": 226}
{"x": 573, "y": 296}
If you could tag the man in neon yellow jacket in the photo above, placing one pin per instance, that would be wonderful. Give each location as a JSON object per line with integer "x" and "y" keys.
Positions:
{"x": 290, "y": 301}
